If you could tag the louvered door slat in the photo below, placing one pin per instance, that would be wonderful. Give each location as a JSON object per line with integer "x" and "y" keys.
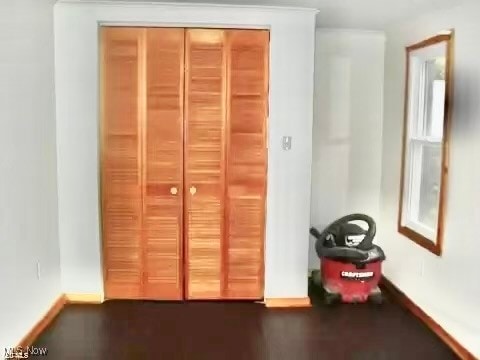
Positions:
{"x": 204, "y": 161}
{"x": 163, "y": 159}
{"x": 121, "y": 162}
{"x": 246, "y": 163}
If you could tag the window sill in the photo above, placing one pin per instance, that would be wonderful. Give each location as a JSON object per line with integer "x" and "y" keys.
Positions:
{"x": 420, "y": 229}
{"x": 434, "y": 247}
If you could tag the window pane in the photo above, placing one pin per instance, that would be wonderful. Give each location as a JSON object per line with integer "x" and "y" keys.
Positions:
{"x": 430, "y": 185}
{"x": 434, "y": 97}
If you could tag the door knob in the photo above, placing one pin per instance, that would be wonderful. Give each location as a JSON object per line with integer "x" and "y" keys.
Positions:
{"x": 193, "y": 190}
{"x": 173, "y": 190}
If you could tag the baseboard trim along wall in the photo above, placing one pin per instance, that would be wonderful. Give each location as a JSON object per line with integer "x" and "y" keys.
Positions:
{"x": 287, "y": 302}
{"x": 406, "y": 302}
{"x": 84, "y": 298}
{"x": 38, "y": 328}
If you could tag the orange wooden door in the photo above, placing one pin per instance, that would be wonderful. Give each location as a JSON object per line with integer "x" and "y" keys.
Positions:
{"x": 163, "y": 164}
{"x": 122, "y": 79}
{"x": 246, "y": 166}
{"x": 142, "y": 152}
{"x": 205, "y": 112}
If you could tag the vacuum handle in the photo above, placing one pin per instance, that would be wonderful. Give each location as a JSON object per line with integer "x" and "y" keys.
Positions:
{"x": 336, "y": 252}
{"x": 367, "y": 241}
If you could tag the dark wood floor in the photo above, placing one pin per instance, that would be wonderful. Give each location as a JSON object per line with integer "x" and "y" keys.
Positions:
{"x": 231, "y": 331}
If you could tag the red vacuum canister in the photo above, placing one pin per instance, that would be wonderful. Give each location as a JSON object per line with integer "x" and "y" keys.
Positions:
{"x": 351, "y": 266}
{"x": 351, "y": 283}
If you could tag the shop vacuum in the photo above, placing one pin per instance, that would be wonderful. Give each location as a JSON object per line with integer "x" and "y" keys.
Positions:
{"x": 351, "y": 266}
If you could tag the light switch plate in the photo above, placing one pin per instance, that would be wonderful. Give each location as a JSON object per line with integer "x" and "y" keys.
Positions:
{"x": 287, "y": 142}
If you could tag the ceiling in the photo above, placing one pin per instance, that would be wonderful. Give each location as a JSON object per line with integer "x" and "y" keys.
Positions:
{"x": 357, "y": 14}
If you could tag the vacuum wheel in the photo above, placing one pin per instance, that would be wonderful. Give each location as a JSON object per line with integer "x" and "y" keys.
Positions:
{"x": 376, "y": 298}
{"x": 330, "y": 298}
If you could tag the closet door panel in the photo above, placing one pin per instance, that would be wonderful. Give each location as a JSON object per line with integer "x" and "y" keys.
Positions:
{"x": 121, "y": 162}
{"x": 204, "y": 161}
{"x": 246, "y": 163}
{"x": 163, "y": 164}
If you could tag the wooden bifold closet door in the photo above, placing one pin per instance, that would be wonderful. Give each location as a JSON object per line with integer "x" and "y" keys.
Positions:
{"x": 183, "y": 162}
{"x": 142, "y": 153}
{"x": 205, "y": 115}
{"x": 246, "y": 163}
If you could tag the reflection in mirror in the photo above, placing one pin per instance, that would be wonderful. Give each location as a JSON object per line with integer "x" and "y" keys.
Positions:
{"x": 427, "y": 104}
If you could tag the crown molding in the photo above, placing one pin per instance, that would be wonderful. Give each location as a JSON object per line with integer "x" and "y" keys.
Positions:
{"x": 352, "y": 31}
{"x": 127, "y": 3}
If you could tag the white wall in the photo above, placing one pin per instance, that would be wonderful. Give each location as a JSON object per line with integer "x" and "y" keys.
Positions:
{"x": 28, "y": 185}
{"x": 447, "y": 288}
{"x": 291, "y": 92}
{"x": 347, "y": 130}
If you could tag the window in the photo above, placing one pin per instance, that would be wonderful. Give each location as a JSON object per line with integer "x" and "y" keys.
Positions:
{"x": 425, "y": 147}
